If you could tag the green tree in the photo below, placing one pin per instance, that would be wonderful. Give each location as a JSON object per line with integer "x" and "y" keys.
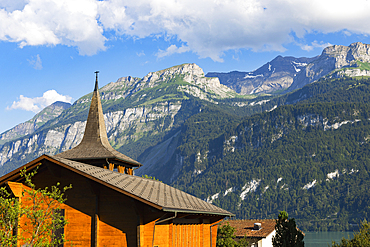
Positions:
{"x": 361, "y": 238}
{"x": 287, "y": 234}
{"x": 39, "y": 208}
{"x": 9, "y": 214}
{"x": 226, "y": 237}
{"x": 150, "y": 177}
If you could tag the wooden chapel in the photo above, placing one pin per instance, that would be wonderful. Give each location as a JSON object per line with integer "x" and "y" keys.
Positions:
{"x": 108, "y": 207}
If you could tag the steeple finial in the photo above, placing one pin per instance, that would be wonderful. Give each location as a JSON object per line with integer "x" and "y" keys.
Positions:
{"x": 96, "y": 81}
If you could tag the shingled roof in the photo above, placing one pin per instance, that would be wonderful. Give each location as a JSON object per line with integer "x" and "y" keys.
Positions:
{"x": 148, "y": 191}
{"x": 95, "y": 144}
{"x": 246, "y": 228}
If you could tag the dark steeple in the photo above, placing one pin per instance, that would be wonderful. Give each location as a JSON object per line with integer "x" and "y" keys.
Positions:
{"x": 96, "y": 81}
{"x": 95, "y": 148}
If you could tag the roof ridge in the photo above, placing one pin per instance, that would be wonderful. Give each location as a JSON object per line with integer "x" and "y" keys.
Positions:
{"x": 111, "y": 179}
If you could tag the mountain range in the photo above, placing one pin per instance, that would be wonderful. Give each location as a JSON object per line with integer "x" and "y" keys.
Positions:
{"x": 292, "y": 135}
{"x": 290, "y": 73}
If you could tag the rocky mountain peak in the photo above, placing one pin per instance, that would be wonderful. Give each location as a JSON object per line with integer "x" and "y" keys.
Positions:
{"x": 334, "y": 62}
{"x": 275, "y": 75}
{"x": 347, "y": 55}
{"x": 188, "y": 71}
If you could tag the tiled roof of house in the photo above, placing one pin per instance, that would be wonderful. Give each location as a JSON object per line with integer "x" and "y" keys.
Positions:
{"x": 246, "y": 227}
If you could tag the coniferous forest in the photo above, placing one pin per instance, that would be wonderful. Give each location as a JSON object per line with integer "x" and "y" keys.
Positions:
{"x": 309, "y": 157}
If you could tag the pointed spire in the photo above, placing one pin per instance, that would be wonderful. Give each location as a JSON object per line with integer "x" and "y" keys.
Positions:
{"x": 95, "y": 146}
{"x": 96, "y": 81}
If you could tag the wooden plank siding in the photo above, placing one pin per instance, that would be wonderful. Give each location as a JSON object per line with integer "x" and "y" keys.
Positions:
{"x": 113, "y": 214}
{"x": 183, "y": 235}
{"x": 100, "y": 216}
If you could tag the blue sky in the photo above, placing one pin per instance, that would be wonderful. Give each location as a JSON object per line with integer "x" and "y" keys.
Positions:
{"x": 51, "y": 48}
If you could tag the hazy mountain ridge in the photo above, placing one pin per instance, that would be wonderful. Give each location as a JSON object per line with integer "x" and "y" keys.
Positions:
{"x": 26, "y": 128}
{"x": 275, "y": 75}
{"x": 292, "y": 73}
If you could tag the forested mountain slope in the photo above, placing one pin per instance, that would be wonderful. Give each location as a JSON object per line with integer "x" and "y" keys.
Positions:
{"x": 310, "y": 158}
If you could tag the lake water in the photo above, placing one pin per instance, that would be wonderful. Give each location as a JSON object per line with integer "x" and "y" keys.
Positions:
{"x": 324, "y": 239}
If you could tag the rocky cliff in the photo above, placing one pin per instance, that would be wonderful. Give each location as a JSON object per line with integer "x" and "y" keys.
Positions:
{"x": 336, "y": 61}
{"x": 26, "y": 128}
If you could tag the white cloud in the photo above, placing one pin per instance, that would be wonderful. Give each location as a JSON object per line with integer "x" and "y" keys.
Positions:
{"x": 207, "y": 27}
{"x": 52, "y": 22}
{"x": 36, "y": 62}
{"x": 315, "y": 44}
{"x": 172, "y": 50}
{"x": 39, "y": 103}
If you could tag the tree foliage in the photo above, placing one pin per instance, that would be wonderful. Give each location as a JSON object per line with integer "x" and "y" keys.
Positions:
{"x": 361, "y": 238}
{"x": 35, "y": 219}
{"x": 287, "y": 234}
{"x": 226, "y": 237}
{"x": 9, "y": 214}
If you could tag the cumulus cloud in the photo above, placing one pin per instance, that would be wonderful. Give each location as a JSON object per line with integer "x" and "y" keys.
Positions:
{"x": 207, "y": 27}
{"x": 39, "y": 103}
{"x": 52, "y": 22}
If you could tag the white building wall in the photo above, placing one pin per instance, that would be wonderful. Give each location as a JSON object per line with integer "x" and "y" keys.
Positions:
{"x": 266, "y": 242}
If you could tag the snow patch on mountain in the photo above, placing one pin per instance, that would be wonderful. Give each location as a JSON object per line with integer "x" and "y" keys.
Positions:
{"x": 332, "y": 175}
{"x": 315, "y": 120}
{"x": 259, "y": 102}
{"x": 252, "y": 76}
{"x": 249, "y": 187}
{"x": 229, "y": 144}
{"x": 210, "y": 199}
{"x": 229, "y": 190}
{"x": 338, "y": 125}
{"x": 309, "y": 185}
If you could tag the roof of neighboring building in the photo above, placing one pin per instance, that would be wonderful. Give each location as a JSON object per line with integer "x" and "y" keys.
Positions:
{"x": 246, "y": 227}
{"x": 151, "y": 192}
{"x": 95, "y": 144}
